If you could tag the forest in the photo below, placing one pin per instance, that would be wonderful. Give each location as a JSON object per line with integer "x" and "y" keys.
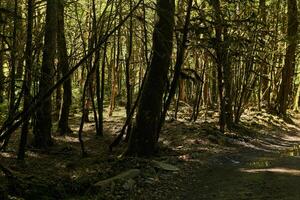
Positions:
{"x": 149, "y": 99}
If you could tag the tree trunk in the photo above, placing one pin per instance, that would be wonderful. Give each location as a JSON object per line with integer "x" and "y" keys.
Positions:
{"x": 127, "y": 74}
{"x": 99, "y": 132}
{"x": 224, "y": 70}
{"x": 27, "y": 79}
{"x": 43, "y": 126}
{"x": 13, "y": 57}
{"x": 289, "y": 66}
{"x": 2, "y": 77}
{"x": 13, "y": 64}
{"x": 296, "y": 100}
{"x": 114, "y": 61}
{"x": 227, "y": 81}
{"x": 58, "y": 96}
{"x": 144, "y": 136}
{"x": 178, "y": 64}
{"x": 100, "y": 105}
{"x": 218, "y": 49}
{"x": 265, "y": 71}
{"x": 214, "y": 88}
{"x": 63, "y": 124}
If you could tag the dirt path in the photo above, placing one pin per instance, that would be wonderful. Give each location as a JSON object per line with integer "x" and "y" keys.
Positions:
{"x": 266, "y": 177}
{"x": 264, "y": 163}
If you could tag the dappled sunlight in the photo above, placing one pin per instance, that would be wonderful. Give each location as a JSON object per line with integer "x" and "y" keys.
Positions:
{"x": 288, "y": 171}
{"x": 260, "y": 163}
{"x": 252, "y": 146}
{"x": 89, "y": 127}
{"x": 183, "y": 145}
{"x": 67, "y": 139}
{"x": 295, "y": 138}
{"x": 190, "y": 158}
{"x": 274, "y": 123}
{"x": 166, "y": 142}
{"x": 273, "y": 145}
{"x": 29, "y": 154}
{"x": 7, "y": 155}
{"x": 33, "y": 154}
{"x": 192, "y": 141}
{"x": 294, "y": 152}
{"x": 118, "y": 114}
{"x": 292, "y": 126}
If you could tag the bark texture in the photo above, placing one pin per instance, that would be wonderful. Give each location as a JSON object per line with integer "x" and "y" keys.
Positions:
{"x": 43, "y": 126}
{"x": 145, "y": 133}
{"x": 290, "y": 57}
{"x": 63, "y": 124}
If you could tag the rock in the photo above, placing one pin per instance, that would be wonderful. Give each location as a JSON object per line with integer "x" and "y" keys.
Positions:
{"x": 165, "y": 166}
{"x": 130, "y": 174}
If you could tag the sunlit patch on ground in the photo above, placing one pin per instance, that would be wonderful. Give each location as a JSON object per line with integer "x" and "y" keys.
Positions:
{"x": 295, "y": 138}
{"x": 68, "y": 139}
{"x": 260, "y": 163}
{"x": 294, "y": 152}
{"x": 7, "y": 155}
{"x": 293, "y": 172}
{"x": 33, "y": 154}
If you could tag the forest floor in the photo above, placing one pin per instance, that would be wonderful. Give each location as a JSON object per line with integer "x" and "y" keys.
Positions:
{"x": 259, "y": 160}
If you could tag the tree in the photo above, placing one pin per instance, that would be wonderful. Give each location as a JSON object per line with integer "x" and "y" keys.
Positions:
{"x": 27, "y": 79}
{"x": 179, "y": 62}
{"x": 2, "y": 77}
{"x": 43, "y": 124}
{"x": 13, "y": 64}
{"x": 145, "y": 133}
{"x": 223, "y": 68}
{"x": 128, "y": 74}
{"x": 12, "y": 87}
{"x": 289, "y": 66}
{"x": 63, "y": 124}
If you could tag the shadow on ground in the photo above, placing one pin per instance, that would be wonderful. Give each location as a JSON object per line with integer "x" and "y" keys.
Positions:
{"x": 259, "y": 159}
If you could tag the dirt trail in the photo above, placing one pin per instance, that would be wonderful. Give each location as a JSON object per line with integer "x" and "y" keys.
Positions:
{"x": 252, "y": 176}
{"x": 262, "y": 163}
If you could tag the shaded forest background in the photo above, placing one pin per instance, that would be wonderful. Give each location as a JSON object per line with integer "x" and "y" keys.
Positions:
{"x": 63, "y": 57}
